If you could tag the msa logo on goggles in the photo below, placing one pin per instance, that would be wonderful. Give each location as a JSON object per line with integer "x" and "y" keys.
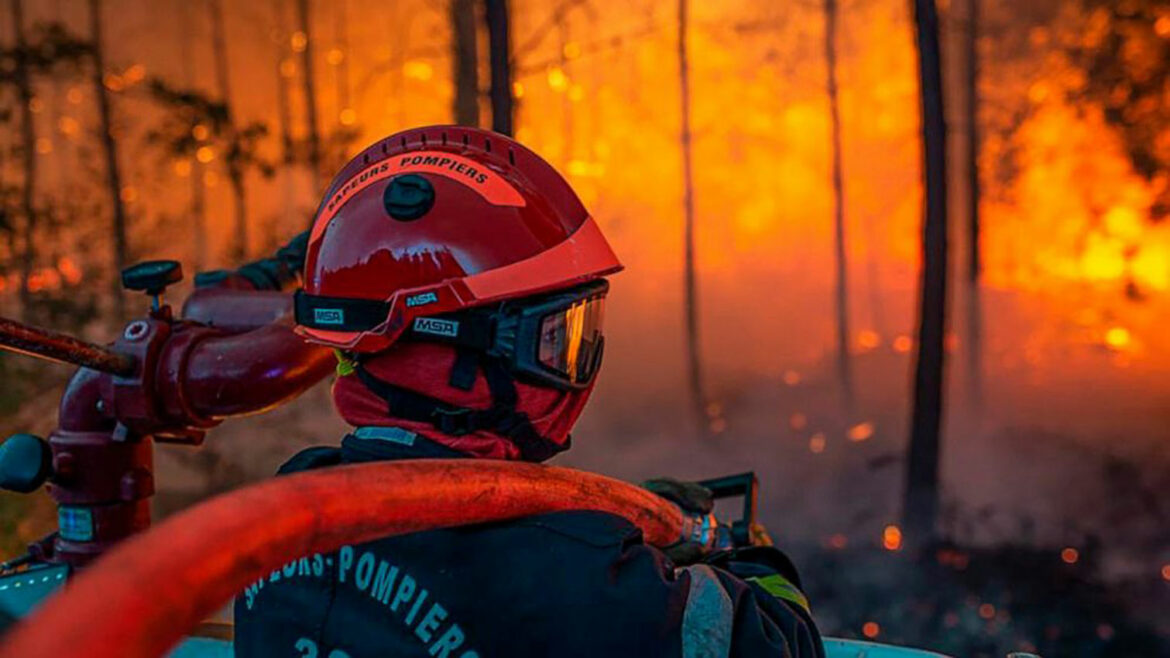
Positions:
{"x": 329, "y": 316}
{"x": 436, "y": 327}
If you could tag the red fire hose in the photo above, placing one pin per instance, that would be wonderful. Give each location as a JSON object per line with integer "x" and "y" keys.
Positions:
{"x": 138, "y": 600}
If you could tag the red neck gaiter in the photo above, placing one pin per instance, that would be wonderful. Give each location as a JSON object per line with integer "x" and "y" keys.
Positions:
{"x": 426, "y": 368}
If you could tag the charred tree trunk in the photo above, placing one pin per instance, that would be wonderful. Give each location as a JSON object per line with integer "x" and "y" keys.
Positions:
{"x": 974, "y": 193}
{"x": 690, "y": 294}
{"x": 198, "y": 196}
{"x": 465, "y": 62}
{"x": 314, "y": 135}
{"x": 232, "y": 165}
{"x": 844, "y": 365}
{"x": 110, "y": 149}
{"x": 28, "y": 148}
{"x": 500, "y": 60}
{"x": 922, "y": 476}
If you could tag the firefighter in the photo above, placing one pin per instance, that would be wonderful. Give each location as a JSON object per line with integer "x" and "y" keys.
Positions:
{"x": 462, "y": 284}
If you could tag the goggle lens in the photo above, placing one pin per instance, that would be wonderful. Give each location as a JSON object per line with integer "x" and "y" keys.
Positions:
{"x": 570, "y": 339}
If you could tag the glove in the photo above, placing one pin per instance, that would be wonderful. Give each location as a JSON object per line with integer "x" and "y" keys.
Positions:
{"x": 766, "y": 566}
{"x": 275, "y": 273}
{"x": 693, "y": 499}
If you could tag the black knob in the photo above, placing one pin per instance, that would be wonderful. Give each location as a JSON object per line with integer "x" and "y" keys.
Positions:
{"x": 26, "y": 461}
{"x": 408, "y": 197}
{"x": 152, "y": 276}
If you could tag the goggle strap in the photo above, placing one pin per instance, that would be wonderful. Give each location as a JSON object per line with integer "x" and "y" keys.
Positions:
{"x": 338, "y": 313}
{"x": 469, "y": 329}
{"x": 465, "y": 368}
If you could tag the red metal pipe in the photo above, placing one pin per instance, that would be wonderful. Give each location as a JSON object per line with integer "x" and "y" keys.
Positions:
{"x": 250, "y": 372}
{"x": 43, "y": 343}
{"x": 189, "y": 378}
{"x": 235, "y": 310}
{"x": 138, "y": 600}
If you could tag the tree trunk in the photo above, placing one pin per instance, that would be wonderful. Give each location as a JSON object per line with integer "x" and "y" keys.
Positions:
{"x": 499, "y": 55}
{"x": 60, "y": 148}
{"x": 922, "y": 475}
{"x": 28, "y": 141}
{"x": 974, "y": 256}
{"x": 232, "y": 165}
{"x": 110, "y": 148}
{"x": 465, "y": 62}
{"x": 283, "y": 114}
{"x": 198, "y": 196}
{"x": 844, "y": 364}
{"x": 690, "y": 294}
{"x": 562, "y": 22}
{"x": 314, "y": 136}
{"x": 341, "y": 37}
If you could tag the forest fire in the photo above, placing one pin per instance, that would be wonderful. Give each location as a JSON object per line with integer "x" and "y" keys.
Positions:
{"x": 772, "y": 228}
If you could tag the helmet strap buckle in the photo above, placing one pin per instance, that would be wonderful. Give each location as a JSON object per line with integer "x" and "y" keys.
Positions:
{"x": 453, "y": 422}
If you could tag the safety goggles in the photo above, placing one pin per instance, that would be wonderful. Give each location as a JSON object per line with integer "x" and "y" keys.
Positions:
{"x": 554, "y": 339}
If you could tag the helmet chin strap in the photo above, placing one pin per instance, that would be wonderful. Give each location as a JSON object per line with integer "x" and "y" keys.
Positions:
{"x": 502, "y": 418}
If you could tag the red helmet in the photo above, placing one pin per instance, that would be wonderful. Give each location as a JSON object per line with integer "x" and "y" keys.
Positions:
{"x": 436, "y": 220}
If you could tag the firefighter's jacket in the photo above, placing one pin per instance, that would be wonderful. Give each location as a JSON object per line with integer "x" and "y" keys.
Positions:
{"x": 562, "y": 584}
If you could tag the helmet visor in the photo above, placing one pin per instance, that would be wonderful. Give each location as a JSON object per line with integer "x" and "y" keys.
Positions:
{"x": 570, "y": 340}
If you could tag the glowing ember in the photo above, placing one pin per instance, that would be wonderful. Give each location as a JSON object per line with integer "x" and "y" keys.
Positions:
{"x": 838, "y": 541}
{"x": 69, "y": 270}
{"x": 1166, "y": 572}
{"x": 418, "y": 70}
{"x": 1162, "y": 26}
{"x": 987, "y": 611}
{"x": 1070, "y": 555}
{"x": 861, "y": 432}
{"x": 557, "y": 78}
{"x": 347, "y": 117}
{"x": 791, "y": 377}
{"x": 871, "y": 629}
{"x": 298, "y": 41}
{"x": 892, "y": 538}
{"x": 797, "y": 421}
{"x": 718, "y": 426}
{"x": 1117, "y": 338}
{"x": 205, "y": 154}
{"x": 816, "y": 443}
{"x": 903, "y": 344}
{"x": 68, "y": 126}
{"x": 868, "y": 340}
{"x": 714, "y": 410}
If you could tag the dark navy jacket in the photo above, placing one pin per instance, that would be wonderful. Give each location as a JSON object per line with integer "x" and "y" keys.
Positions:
{"x": 564, "y": 584}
